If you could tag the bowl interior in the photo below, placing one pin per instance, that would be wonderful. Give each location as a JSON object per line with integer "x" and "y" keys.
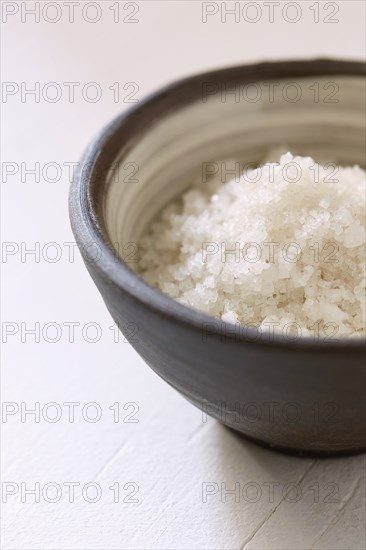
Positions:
{"x": 323, "y": 117}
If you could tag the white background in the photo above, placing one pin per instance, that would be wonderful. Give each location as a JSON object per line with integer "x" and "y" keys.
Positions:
{"x": 170, "y": 452}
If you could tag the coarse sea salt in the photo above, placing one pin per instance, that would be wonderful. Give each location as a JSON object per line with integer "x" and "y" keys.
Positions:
{"x": 281, "y": 245}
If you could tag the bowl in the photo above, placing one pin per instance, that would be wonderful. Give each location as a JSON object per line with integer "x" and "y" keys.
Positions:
{"x": 305, "y": 395}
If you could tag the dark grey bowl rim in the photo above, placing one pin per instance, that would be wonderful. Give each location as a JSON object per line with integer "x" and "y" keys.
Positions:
{"x": 86, "y": 209}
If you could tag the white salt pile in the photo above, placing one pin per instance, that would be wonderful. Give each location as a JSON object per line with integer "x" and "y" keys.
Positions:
{"x": 281, "y": 244}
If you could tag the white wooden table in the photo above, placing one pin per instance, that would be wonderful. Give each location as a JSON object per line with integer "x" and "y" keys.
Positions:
{"x": 148, "y": 472}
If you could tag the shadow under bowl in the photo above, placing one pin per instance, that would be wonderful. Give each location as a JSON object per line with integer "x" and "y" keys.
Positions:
{"x": 303, "y": 395}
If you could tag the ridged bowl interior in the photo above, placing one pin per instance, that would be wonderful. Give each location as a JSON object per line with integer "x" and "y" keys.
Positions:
{"x": 327, "y": 121}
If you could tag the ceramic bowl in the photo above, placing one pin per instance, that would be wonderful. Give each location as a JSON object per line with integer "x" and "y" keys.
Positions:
{"x": 303, "y": 395}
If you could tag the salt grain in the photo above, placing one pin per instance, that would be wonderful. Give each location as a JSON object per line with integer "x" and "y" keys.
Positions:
{"x": 284, "y": 244}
